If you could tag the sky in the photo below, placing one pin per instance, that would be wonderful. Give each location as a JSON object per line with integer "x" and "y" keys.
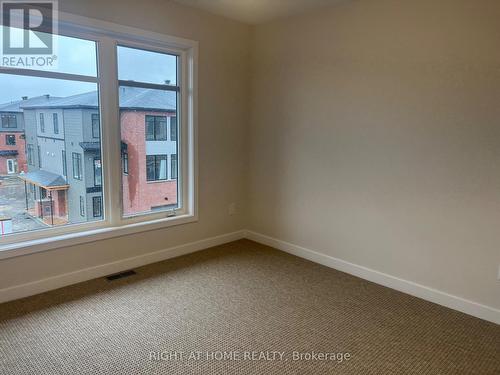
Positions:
{"x": 78, "y": 56}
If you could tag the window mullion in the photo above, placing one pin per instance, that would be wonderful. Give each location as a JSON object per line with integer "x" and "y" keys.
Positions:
{"x": 110, "y": 130}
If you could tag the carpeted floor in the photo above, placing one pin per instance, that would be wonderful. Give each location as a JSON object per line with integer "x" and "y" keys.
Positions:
{"x": 240, "y": 308}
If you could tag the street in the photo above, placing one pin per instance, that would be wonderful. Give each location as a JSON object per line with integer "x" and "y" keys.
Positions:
{"x": 13, "y": 204}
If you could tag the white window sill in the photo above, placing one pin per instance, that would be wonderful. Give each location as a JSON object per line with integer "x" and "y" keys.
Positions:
{"x": 29, "y": 247}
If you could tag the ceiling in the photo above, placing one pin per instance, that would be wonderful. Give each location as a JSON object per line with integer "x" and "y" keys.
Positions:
{"x": 256, "y": 11}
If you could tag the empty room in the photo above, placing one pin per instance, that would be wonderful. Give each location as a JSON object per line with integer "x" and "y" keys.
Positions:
{"x": 250, "y": 187}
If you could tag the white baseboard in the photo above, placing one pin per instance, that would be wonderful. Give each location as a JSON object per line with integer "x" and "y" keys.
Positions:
{"x": 454, "y": 302}
{"x": 59, "y": 281}
{"x": 457, "y": 303}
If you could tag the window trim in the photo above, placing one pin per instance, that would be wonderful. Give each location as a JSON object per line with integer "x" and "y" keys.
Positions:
{"x": 82, "y": 206}
{"x": 8, "y": 117}
{"x": 99, "y": 198}
{"x": 155, "y": 138}
{"x": 78, "y": 157}
{"x": 10, "y": 136}
{"x": 42, "y": 122}
{"x": 94, "y": 169}
{"x": 157, "y": 157}
{"x": 55, "y": 123}
{"x": 109, "y": 35}
{"x": 94, "y": 117}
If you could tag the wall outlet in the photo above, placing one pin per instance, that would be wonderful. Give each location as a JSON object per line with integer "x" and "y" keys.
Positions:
{"x": 231, "y": 209}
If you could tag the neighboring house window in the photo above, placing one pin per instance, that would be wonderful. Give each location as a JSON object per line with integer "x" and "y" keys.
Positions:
{"x": 96, "y": 132}
{"x": 173, "y": 128}
{"x": 82, "y": 206}
{"x": 43, "y": 193}
{"x": 125, "y": 162}
{"x": 97, "y": 206}
{"x": 10, "y": 140}
{"x": 156, "y": 167}
{"x": 156, "y": 128}
{"x": 56, "y": 123}
{"x": 97, "y": 172}
{"x": 173, "y": 166}
{"x": 39, "y": 152}
{"x": 77, "y": 166}
{"x": 9, "y": 121}
{"x": 30, "y": 156}
{"x": 42, "y": 123}
{"x": 64, "y": 163}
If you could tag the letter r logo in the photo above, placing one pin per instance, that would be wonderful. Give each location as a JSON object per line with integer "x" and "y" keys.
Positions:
{"x": 28, "y": 27}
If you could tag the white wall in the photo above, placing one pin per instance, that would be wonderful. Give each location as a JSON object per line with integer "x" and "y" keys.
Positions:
{"x": 223, "y": 117}
{"x": 375, "y": 139}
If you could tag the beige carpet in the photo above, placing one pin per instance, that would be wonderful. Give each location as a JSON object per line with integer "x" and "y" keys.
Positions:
{"x": 243, "y": 301}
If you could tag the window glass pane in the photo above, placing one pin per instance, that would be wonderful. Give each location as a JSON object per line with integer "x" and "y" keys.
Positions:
{"x": 70, "y": 55}
{"x": 144, "y": 115}
{"x": 97, "y": 172}
{"x": 150, "y": 128}
{"x": 173, "y": 128}
{"x": 96, "y": 131}
{"x": 146, "y": 66}
{"x": 50, "y": 174}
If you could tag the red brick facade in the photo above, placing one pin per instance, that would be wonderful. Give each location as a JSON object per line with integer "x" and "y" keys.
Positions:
{"x": 19, "y": 147}
{"x": 139, "y": 195}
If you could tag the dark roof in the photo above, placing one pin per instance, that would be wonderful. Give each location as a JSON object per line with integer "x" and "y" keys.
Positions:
{"x": 130, "y": 98}
{"x": 17, "y": 106}
{"x": 8, "y": 152}
{"x": 44, "y": 179}
{"x": 90, "y": 146}
{"x": 96, "y": 146}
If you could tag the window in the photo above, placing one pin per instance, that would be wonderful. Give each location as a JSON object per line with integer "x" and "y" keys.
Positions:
{"x": 77, "y": 166}
{"x": 29, "y": 154}
{"x": 10, "y": 140}
{"x": 97, "y": 206}
{"x": 173, "y": 128}
{"x": 64, "y": 163}
{"x": 156, "y": 128}
{"x": 96, "y": 131}
{"x": 173, "y": 167}
{"x": 154, "y": 93}
{"x": 125, "y": 162}
{"x": 39, "y": 154}
{"x": 82, "y": 206}
{"x": 156, "y": 167}
{"x": 42, "y": 123}
{"x": 97, "y": 172}
{"x": 9, "y": 121}
{"x": 56, "y": 123}
{"x": 144, "y": 81}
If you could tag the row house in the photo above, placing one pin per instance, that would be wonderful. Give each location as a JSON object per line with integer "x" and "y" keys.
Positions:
{"x": 63, "y": 155}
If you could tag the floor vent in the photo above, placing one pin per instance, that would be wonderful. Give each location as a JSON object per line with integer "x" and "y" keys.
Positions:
{"x": 120, "y": 275}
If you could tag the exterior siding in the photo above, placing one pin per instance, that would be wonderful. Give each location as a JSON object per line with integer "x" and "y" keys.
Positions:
{"x": 139, "y": 195}
{"x": 73, "y": 131}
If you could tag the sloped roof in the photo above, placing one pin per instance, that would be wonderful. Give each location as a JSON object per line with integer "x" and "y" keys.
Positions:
{"x": 130, "y": 98}
{"x": 45, "y": 179}
{"x": 18, "y": 105}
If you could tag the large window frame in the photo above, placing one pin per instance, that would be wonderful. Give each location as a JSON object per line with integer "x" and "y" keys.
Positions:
{"x": 108, "y": 37}
{"x": 9, "y": 121}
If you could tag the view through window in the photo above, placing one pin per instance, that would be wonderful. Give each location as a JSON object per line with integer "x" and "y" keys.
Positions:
{"x": 58, "y": 155}
{"x": 148, "y": 120}
{"x": 54, "y": 117}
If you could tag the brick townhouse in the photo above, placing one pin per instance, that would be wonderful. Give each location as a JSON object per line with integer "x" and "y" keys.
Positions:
{"x": 62, "y": 157}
